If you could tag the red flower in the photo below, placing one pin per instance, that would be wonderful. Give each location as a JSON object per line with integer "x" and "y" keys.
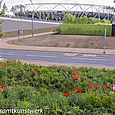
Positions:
{"x": 3, "y": 86}
{"x": 90, "y": 85}
{"x": 72, "y": 91}
{"x": 78, "y": 90}
{"x": 35, "y": 71}
{"x": 76, "y": 71}
{"x": 107, "y": 86}
{"x": 76, "y": 77}
{"x": 1, "y": 89}
{"x": 66, "y": 94}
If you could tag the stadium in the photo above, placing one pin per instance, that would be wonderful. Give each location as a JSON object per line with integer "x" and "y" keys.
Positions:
{"x": 55, "y": 10}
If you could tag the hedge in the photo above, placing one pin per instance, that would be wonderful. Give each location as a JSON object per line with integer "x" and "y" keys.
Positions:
{"x": 1, "y": 33}
{"x": 85, "y": 29}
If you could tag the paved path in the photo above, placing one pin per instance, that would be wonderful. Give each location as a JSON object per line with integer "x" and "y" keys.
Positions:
{"x": 5, "y": 45}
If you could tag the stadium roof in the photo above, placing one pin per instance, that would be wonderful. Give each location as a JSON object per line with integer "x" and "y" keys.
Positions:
{"x": 70, "y": 5}
{"x": 95, "y": 2}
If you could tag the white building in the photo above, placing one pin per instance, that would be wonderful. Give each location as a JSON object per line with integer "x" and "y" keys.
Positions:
{"x": 103, "y": 9}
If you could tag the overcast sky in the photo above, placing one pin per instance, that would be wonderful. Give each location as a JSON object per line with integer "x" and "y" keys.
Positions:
{"x": 9, "y": 3}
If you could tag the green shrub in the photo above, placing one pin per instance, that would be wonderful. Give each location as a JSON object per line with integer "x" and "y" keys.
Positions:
{"x": 71, "y": 19}
{"x": 85, "y": 29}
{"x": 30, "y": 86}
{"x": 1, "y": 33}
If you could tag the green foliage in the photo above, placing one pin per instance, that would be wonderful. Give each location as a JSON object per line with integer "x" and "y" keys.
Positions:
{"x": 83, "y": 20}
{"x": 85, "y": 29}
{"x": 30, "y": 86}
{"x": 69, "y": 18}
{"x": 1, "y": 33}
{"x": 2, "y": 12}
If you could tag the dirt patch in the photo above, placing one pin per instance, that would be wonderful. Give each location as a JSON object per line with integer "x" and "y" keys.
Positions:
{"x": 71, "y": 41}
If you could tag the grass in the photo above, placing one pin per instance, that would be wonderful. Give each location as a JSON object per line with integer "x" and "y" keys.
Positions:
{"x": 85, "y": 29}
{"x": 27, "y": 32}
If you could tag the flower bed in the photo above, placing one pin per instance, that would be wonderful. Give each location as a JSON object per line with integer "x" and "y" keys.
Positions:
{"x": 57, "y": 90}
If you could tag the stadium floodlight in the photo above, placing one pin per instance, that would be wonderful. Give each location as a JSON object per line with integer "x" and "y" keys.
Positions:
{"x": 1, "y": 3}
{"x": 32, "y": 19}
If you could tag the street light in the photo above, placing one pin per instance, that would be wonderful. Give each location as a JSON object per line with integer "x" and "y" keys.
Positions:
{"x": 105, "y": 41}
{"x": 32, "y": 20}
{"x": 32, "y": 23}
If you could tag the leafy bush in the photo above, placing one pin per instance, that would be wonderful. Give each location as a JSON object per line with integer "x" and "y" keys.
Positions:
{"x": 1, "y": 33}
{"x": 85, "y": 29}
{"x": 71, "y": 19}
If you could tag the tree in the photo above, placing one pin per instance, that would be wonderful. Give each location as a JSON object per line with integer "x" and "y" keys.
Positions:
{"x": 2, "y": 13}
{"x": 5, "y": 7}
{"x": 69, "y": 18}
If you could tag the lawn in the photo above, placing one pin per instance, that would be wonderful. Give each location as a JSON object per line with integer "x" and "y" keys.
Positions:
{"x": 27, "y": 32}
{"x": 57, "y": 90}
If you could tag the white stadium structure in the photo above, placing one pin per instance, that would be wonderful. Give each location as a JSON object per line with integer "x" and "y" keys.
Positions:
{"x": 55, "y": 9}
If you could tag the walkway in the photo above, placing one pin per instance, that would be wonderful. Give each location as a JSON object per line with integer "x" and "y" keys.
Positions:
{"x": 5, "y": 45}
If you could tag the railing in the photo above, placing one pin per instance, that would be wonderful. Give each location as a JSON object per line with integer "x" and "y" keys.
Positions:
{"x": 29, "y": 18}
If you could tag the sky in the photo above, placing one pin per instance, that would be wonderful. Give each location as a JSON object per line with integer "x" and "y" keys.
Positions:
{"x": 10, "y": 3}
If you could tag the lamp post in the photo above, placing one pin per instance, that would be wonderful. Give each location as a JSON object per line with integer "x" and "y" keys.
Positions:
{"x": 32, "y": 23}
{"x": 105, "y": 41}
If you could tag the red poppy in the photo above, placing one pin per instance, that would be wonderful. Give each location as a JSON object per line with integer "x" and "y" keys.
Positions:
{"x": 35, "y": 71}
{"x": 1, "y": 89}
{"x": 78, "y": 90}
{"x": 76, "y": 71}
{"x": 66, "y": 94}
{"x": 107, "y": 86}
{"x": 90, "y": 85}
{"x": 72, "y": 91}
{"x": 3, "y": 86}
{"x": 76, "y": 77}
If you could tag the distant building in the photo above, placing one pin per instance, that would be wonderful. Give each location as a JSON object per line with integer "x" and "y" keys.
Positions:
{"x": 55, "y": 10}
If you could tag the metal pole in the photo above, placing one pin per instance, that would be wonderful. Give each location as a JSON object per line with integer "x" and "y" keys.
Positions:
{"x": 105, "y": 40}
{"x": 32, "y": 24}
